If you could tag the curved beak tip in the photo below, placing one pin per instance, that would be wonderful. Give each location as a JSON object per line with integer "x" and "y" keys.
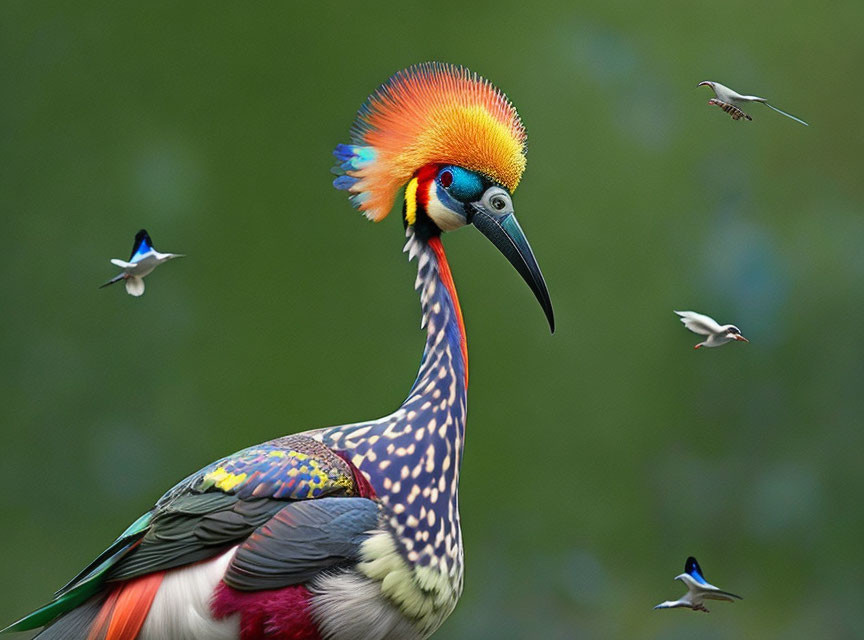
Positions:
{"x": 506, "y": 234}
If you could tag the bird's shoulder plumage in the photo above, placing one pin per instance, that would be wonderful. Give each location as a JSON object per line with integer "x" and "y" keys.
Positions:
{"x": 293, "y": 467}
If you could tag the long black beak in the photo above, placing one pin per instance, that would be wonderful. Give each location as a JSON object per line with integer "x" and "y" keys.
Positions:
{"x": 506, "y": 234}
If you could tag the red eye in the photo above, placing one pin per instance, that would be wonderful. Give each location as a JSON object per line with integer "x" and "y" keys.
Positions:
{"x": 446, "y": 178}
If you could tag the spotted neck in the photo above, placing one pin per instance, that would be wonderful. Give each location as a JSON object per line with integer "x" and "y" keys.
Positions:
{"x": 412, "y": 456}
{"x": 412, "y": 459}
{"x": 446, "y": 343}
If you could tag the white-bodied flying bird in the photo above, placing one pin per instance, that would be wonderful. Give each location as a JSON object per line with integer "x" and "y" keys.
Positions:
{"x": 698, "y": 590}
{"x": 705, "y": 326}
{"x": 732, "y": 102}
{"x": 143, "y": 260}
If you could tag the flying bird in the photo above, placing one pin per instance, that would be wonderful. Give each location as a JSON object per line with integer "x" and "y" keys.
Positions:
{"x": 143, "y": 260}
{"x": 348, "y": 531}
{"x": 706, "y": 326}
{"x": 698, "y": 590}
{"x": 732, "y": 102}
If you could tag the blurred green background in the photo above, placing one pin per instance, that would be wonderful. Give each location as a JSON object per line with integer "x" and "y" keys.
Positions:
{"x": 597, "y": 459}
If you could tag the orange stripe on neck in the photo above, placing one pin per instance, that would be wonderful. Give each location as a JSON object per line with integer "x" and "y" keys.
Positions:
{"x": 447, "y": 280}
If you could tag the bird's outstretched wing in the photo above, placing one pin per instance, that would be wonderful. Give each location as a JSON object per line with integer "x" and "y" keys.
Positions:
{"x": 699, "y": 323}
{"x": 142, "y": 245}
{"x": 717, "y": 594}
{"x": 122, "y": 263}
{"x": 294, "y": 506}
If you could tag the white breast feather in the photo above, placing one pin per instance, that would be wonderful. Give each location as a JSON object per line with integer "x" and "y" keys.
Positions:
{"x": 181, "y": 609}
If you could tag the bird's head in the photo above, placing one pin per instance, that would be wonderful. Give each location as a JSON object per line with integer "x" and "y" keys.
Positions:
{"x": 734, "y": 333}
{"x": 457, "y": 145}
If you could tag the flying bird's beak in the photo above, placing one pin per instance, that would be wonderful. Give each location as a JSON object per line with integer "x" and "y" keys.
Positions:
{"x": 506, "y": 234}
{"x": 741, "y": 338}
{"x": 704, "y": 83}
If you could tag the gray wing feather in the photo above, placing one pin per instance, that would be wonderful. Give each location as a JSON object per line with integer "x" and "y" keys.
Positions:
{"x": 302, "y": 540}
{"x": 195, "y": 527}
{"x": 75, "y": 624}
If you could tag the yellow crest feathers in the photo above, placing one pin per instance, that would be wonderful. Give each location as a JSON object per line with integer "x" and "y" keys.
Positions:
{"x": 429, "y": 113}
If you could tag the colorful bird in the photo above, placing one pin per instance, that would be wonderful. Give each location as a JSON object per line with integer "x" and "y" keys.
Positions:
{"x": 143, "y": 260}
{"x": 698, "y": 590}
{"x": 351, "y": 531}
{"x": 718, "y": 335}
{"x": 732, "y": 102}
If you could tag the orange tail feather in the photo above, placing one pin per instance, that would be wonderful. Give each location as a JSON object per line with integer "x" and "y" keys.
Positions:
{"x": 126, "y": 609}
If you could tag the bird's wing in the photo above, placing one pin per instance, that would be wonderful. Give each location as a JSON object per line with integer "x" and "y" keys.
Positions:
{"x": 788, "y": 115}
{"x": 699, "y": 323}
{"x": 732, "y": 109}
{"x": 713, "y": 593}
{"x": 239, "y": 500}
{"x": 720, "y": 595}
{"x": 141, "y": 246}
{"x": 224, "y": 503}
{"x": 121, "y": 263}
{"x": 116, "y": 278}
{"x": 300, "y": 541}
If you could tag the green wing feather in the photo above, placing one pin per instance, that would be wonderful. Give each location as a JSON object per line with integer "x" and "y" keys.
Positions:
{"x": 88, "y": 582}
{"x": 206, "y": 513}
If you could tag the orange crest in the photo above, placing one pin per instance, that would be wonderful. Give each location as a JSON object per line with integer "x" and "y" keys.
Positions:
{"x": 430, "y": 113}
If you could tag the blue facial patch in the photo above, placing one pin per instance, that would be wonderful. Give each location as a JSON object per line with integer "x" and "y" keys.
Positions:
{"x": 466, "y": 186}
